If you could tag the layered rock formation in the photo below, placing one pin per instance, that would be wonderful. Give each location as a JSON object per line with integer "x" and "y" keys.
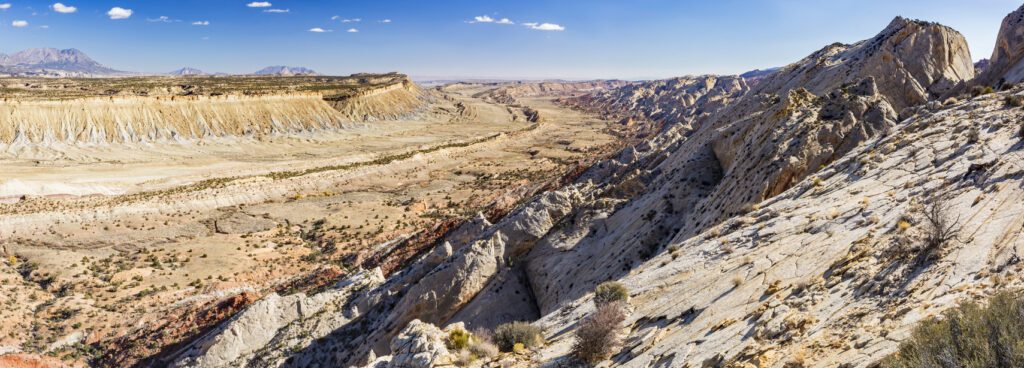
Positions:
{"x": 687, "y": 100}
{"x": 1006, "y": 66}
{"x": 189, "y": 116}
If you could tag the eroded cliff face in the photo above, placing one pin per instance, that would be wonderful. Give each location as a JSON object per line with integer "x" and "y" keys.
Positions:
{"x": 188, "y": 116}
{"x": 391, "y": 100}
{"x": 1006, "y": 65}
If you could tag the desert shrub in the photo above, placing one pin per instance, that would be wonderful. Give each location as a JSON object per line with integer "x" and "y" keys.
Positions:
{"x": 597, "y": 336}
{"x": 981, "y": 90}
{"x": 939, "y": 227}
{"x": 464, "y": 358}
{"x": 482, "y": 349}
{"x": 508, "y": 335}
{"x": 1014, "y": 101}
{"x": 457, "y": 339}
{"x": 968, "y": 336}
{"x": 609, "y": 292}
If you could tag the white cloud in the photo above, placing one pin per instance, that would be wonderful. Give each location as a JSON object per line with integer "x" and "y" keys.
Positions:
{"x": 201, "y": 23}
{"x": 505, "y": 21}
{"x": 386, "y": 21}
{"x": 44, "y": 26}
{"x": 5, "y": 6}
{"x": 162, "y": 19}
{"x": 259, "y": 4}
{"x": 354, "y": 20}
{"x": 352, "y": 30}
{"x": 319, "y": 30}
{"x": 277, "y": 10}
{"x": 19, "y": 24}
{"x": 335, "y": 17}
{"x": 482, "y": 19}
{"x": 63, "y": 9}
{"x": 119, "y": 13}
{"x": 544, "y": 26}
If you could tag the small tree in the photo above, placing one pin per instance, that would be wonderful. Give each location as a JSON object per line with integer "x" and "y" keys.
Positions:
{"x": 940, "y": 227}
{"x": 610, "y": 292}
{"x": 597, "y": 336}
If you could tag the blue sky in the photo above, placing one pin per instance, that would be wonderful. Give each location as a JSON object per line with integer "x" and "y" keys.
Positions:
{"x": 581, "y": 39}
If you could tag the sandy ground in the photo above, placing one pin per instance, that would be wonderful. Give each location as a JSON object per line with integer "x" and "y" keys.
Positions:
{"x": 103, "y": 242}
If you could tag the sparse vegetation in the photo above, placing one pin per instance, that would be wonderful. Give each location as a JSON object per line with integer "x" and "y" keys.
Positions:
{"x": 508, "y": 335}
{"x": 458, "y": 339}
{"x": 481, "y": 347}
{"x": 982, "y": 90}
{"x": 597, "y": 336}
{"x": 1014, "y": 101}
{"x": 610, "y": 292}
{"x": 969, "y": 336}
{"x": 939, "y": 228}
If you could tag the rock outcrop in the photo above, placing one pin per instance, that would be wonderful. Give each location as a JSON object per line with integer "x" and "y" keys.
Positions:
{"x": 280, "y": 322}
{"x": 1006, "y": 65}
{"x": 686, "y": 101}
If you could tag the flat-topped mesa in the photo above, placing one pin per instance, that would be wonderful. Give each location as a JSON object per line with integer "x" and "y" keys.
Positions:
{"x": 1006, "y": 66}
{"x": 164, "y": 110}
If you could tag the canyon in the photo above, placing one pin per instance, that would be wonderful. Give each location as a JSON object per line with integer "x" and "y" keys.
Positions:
{"x": 782, "y": 218}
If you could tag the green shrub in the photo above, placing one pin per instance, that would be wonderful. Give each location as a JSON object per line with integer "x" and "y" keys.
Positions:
{"x": 457, "y": 339}
{"x": 597, "y": 336}
{"x": 1014, "y": 101}
{"x": 981, "y": 90}
{"x": 508, "y": 335}
{"x": 968, "y": 336}
{"x": 610, "y": 291}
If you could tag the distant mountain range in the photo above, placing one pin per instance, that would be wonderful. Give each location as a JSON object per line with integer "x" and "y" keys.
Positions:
{"x": 53, "y": 62}
{"x": 186, "y": 71}
{"x": 285, "y": 71}
{"x": 50, "y": 62}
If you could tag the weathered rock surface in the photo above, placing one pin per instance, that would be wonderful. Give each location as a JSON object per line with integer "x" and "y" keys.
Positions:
{"x": 822, "y": 273}
{"x": 1006, "y": 65}
{"x": 687, "y": 100}
{"x": 419, "y": 345}
{"x": 272, "y": 321}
